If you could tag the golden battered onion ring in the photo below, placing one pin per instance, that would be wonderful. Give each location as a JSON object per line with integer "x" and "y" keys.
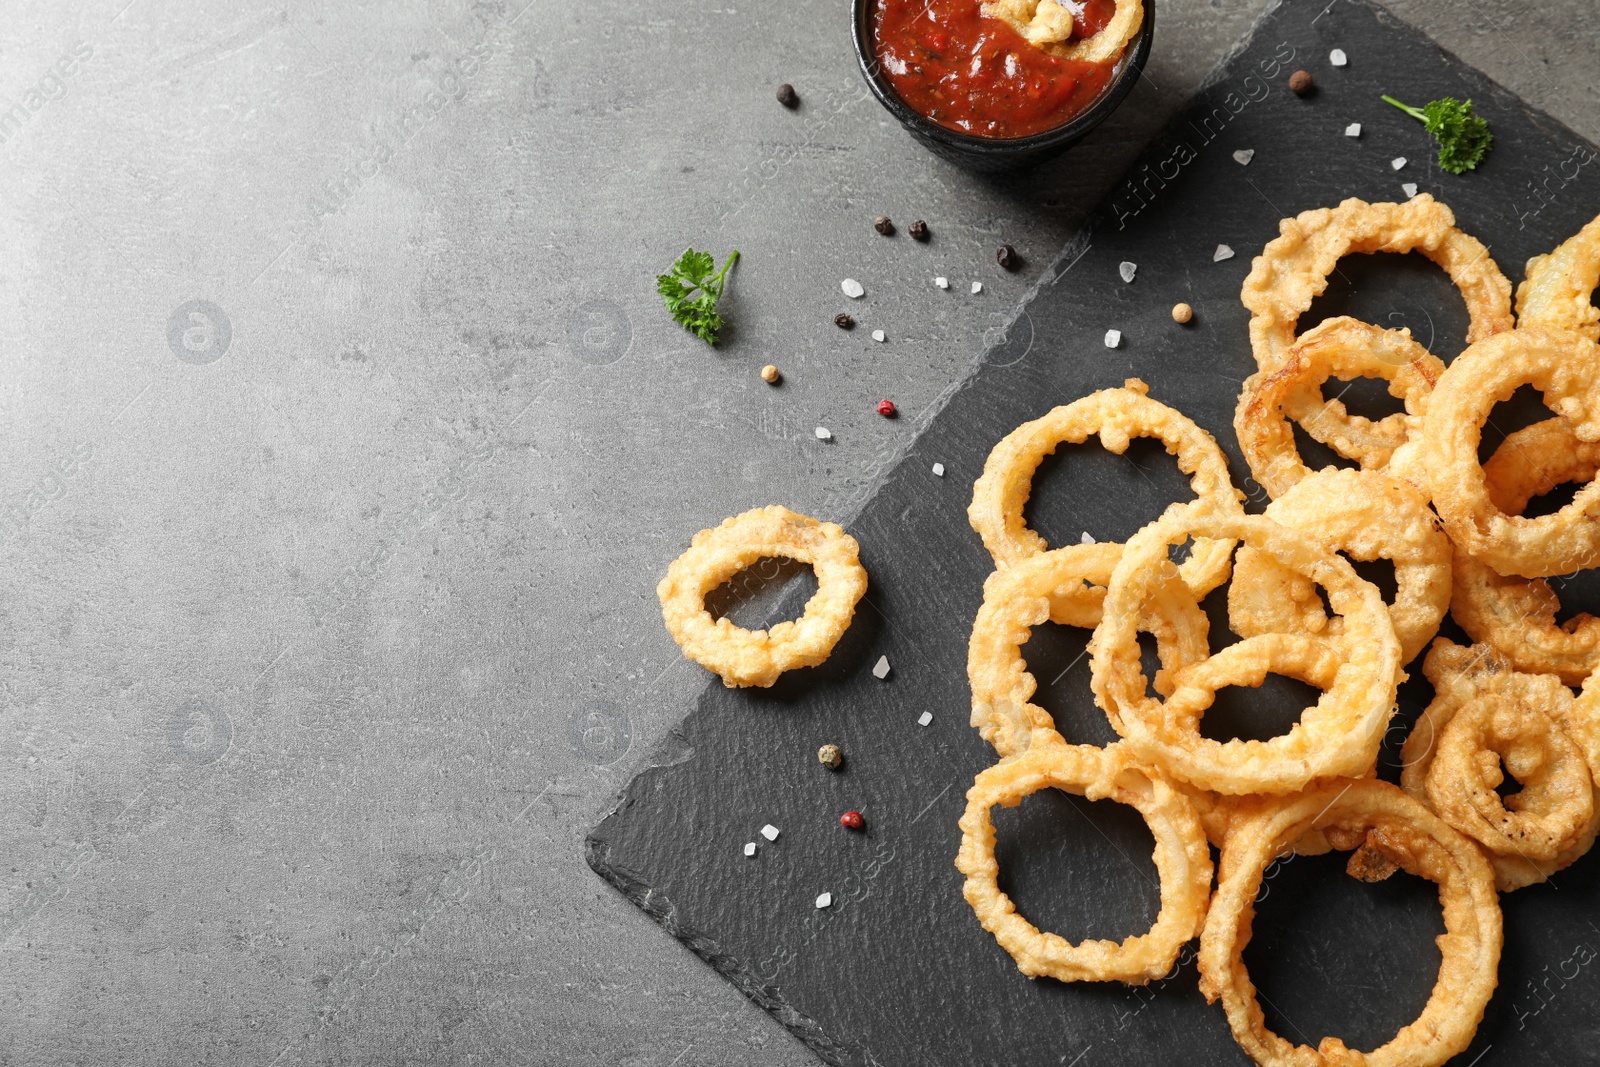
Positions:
{"x": 1341, "y": 348}
{"x": 1483, "y": 713}
{"x": 1292, "y": 270}
{"x": 1406, "y": 835}
{"x": 1181, "y": 856}
{"x": 1046, "y": 28}
{"x": 1338, "y": 736}
{"x": 1366, "y": 516}
{"x": 1559, "y": 287}
{"x": 756, "y": 658}
{"x": 1565, "y": 367}
{"x": 1117, "y": 416}
{"x": 1518, "y": 615}
{"x": 1066, "y": 586}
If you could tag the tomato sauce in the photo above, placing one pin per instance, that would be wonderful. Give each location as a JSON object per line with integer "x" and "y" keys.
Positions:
{"x": 978, "y": 75}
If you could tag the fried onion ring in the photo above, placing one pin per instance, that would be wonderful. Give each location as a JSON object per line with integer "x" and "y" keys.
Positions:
{"x": 1117, "y": 416}
{"x": 1367, "y": 516}
{"x": 1292, "y": 270}
{"x": 1396, "y": 832}
{"x": 1181, "y": 856}
{"x": 1565, "y": 367}
{"x": 1518, "y": 615}
{"x": 1342, "y": 348}
{"x": 1338, "y": 736}
{"x": 1047, "y": 25}
{"x": 1559, "y": 287}
{"x": 757, "y": 657}
{"x": 1066, "y": 586}
{"x": 1484, "y": 714}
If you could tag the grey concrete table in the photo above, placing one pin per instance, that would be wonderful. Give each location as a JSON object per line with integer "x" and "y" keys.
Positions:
{"x": 345, "y": 440}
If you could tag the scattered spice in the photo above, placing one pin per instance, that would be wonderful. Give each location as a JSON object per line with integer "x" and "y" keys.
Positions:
{"x": 823, "y": 434}
{"x": 831, "y": 757}
{"x": 1409, "y": 188}
{"x": 788, "y": 97}
{"x": 1243, "y": 156}
{"x": 938, "y": 470}
{"x": 1182, "y": 312}
{"x": 879, "y": 335}
{"x": 1337, "y": 57}
{"x": 750, "y": 848}
{"x": 852, "y": 820}
{"x": 770, "y": 375}
{"x": 942, "y": 282}
{"x": 918, "y": 230}
{"x": 1223, "y": 252}
{"x": 925, "y": 718}
{"x": 1126, "y": 270}
{"x": 851, "y": 288}
{"x": 1397, "y": 162}
{"x": 1086, "y": 539}
{"x": 977, "y": 287}
{"x": 883, "y": 225}
{"x": 844, "y": 320}
{"x": 1353, "y": 130}
{"x": 1113, "y": 338}
{"x": 880, "y": 669}
{"x": 886, "y": 408}
{"x": 1300, "y": 82}
{"x": 824, "y": 901}
{"x": 770, "y": 832}
{"x": 1007, "y": 257}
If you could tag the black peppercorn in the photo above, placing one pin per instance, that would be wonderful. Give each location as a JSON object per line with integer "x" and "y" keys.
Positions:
{"x": 844, "y": 321}
{"x": 1007, "y": 257}
{"x": 918, "y": 230}
{"x": 883, "y": 225}
{"x": 788, "y": 97}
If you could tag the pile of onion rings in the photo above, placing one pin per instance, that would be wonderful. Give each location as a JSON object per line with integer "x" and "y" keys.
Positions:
{"x": 1459, "y": 544}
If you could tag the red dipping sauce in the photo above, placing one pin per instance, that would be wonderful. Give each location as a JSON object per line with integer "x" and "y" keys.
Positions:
{"x": 978, "y": 75}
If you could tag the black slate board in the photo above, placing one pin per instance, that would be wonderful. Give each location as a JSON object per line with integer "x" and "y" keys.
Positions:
{"x": 898, "y": 971}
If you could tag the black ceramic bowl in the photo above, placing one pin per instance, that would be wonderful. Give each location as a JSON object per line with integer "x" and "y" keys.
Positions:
{"x": 993, "y": 154}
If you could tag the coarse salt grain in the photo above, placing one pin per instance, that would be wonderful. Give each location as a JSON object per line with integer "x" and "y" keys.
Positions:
{"x": 1127, "y": 269}
{"x": 880, "y": 669}
{"x": 925, "y": 718}
{"x": 1113, "y": 338}
{"x": 770, "y": 832}
{"x": 1243, "y": 156}
{"x": 852, "y": 288}
{"x": 823, "y": 434}
{"x": 1397, "y": 162}
{"x": 750, "y": 848}
{"x": 1223, "y": 252}
{"x": 1353, "y": 130}
{"x": 877, "y": 335}
{"x": 938, "y": 469}
{"x": 1409, "y": 188}
{"x": 1086, "y": 539}
{"x": 943, "y": 283}
{"x": 825, "y": 900}
{"x": 977, "y": 287}
{"x": 1337, "y": 57}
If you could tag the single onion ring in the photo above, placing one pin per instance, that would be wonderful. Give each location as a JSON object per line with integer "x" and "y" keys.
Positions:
{"x": 1040, "y": 22}
{"x": 1565, "y": 367}
{"x": 1105, "y": 46}
{"x": 1066, "y": 586}
{"x": 1338, "y": 736}
{"x": 1366, "y": 516}
{"x": 1181, "y": 856}
{"x": 1292, "y": 270}
{"x": 1484, "y": 712}
{"x": 1518, "y": 615}
{"x": 756, "y": 658}
{"x": 1396, "y": 832}
{"x": 1559, "y": 286}
{"x": 1344, "y": 348}
{"x": 1117, "y": 416}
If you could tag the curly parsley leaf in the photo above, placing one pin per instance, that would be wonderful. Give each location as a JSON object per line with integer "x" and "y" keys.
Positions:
{"x": 691, "y": 292}
{"x": 1463, "y": 137}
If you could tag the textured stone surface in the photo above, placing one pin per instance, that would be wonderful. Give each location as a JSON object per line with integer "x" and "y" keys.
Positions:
{"x": 323, "y": 649}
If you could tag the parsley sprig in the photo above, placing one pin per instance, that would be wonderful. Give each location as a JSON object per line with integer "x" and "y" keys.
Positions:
{"x": 1463, "y": 137}
{"x": 691, "y": 292}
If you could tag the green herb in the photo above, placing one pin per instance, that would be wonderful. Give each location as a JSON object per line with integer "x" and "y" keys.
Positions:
{"x": 1463, "y": 137}
{"x": 691, "y": 292}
